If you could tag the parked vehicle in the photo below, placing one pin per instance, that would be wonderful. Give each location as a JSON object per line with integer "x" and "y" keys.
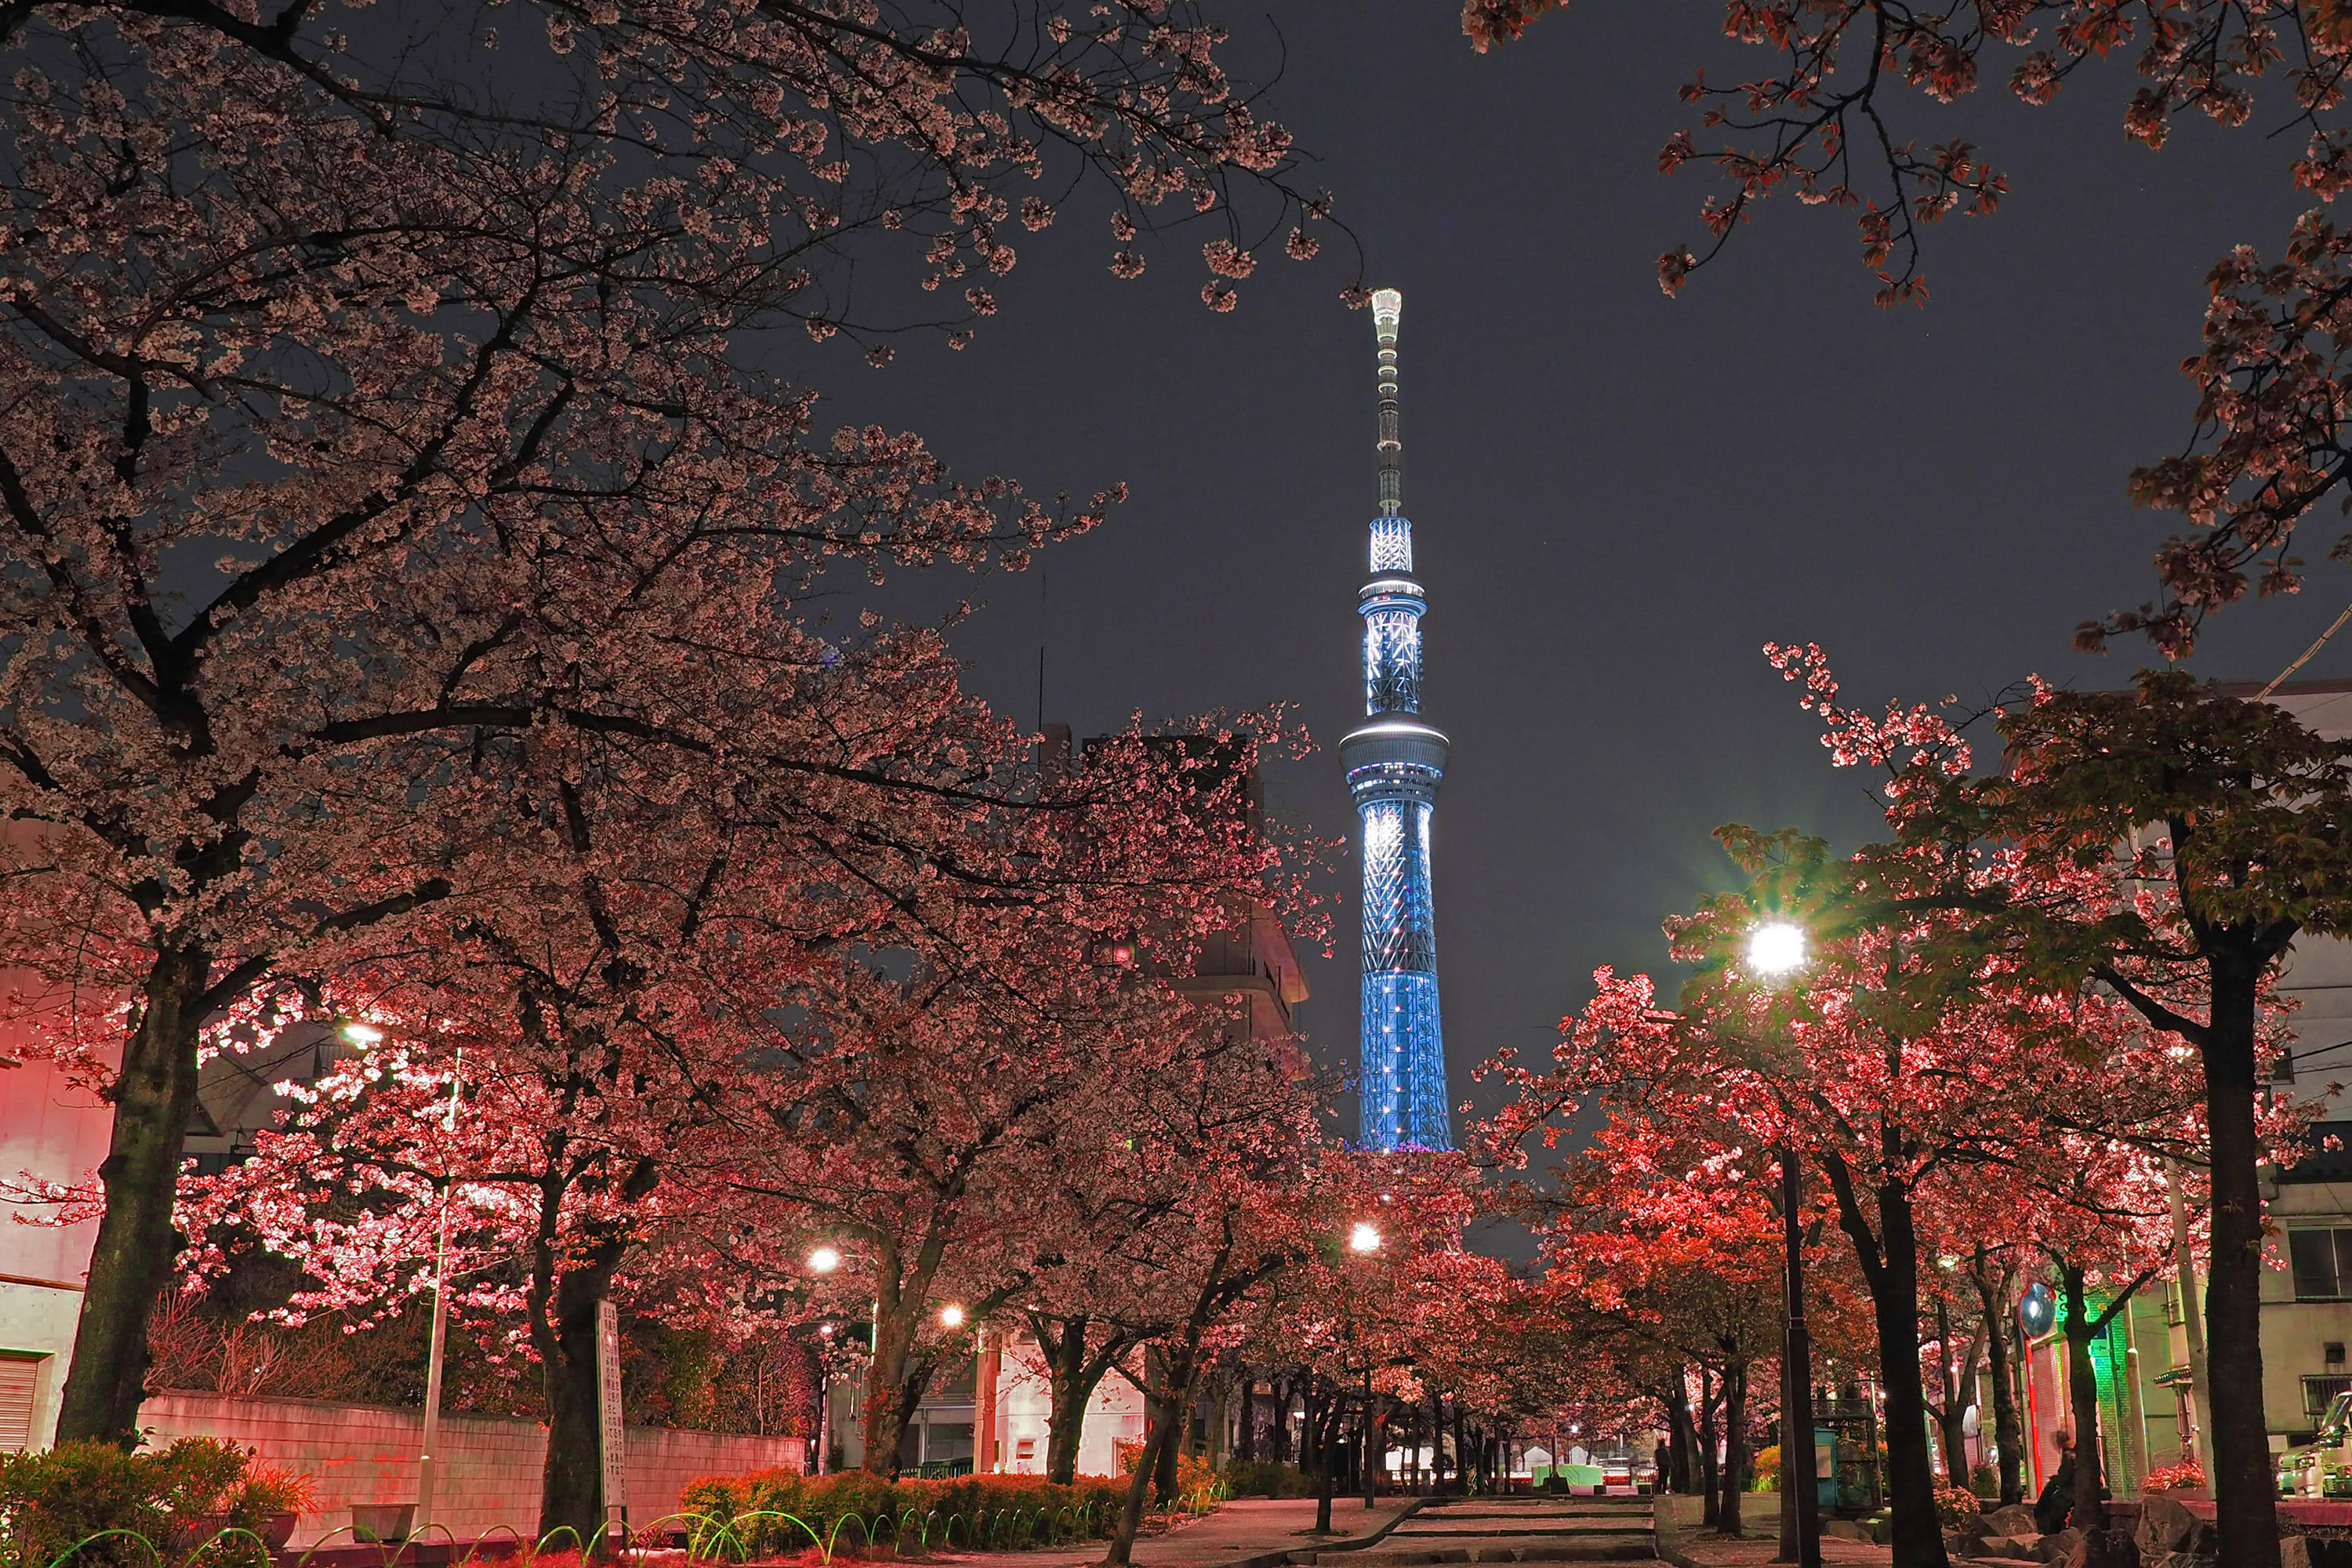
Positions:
{"x": 2314, "y": 1469}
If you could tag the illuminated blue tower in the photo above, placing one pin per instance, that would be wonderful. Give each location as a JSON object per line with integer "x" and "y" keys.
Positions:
{"x": 1394, "y": 764}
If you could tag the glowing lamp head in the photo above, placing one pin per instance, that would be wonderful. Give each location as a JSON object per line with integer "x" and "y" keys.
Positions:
{"x": 1776, "y": 948}
{"x": 1365, "y": 1237}
{"x": 951, "y": 1317}
{"x": 823, "y": 1260}
{"x": 825, "y": 1331}
{"x": 362, "y": 1034}
{"x": 1388, "y": 304}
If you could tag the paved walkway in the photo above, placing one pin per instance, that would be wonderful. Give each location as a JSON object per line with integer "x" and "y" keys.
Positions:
{"x": 1682, "y": 1540}
{"x": 1538, "y": 1529}
{"x": 1246, "y": 1526}
{"x": 1444, "y": 1530}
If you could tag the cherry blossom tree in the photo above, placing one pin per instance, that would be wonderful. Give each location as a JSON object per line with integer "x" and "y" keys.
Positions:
{"x": 1874, "y": 1072}
{"x": 1992, "y": 1274}
{"x": 383, "y": 384}
{"x": 1665, "y": 1248}
{"x": 2160, "y": 847}
{"x": 1364, "y": 1245}
{"x": 961, "y": 1124}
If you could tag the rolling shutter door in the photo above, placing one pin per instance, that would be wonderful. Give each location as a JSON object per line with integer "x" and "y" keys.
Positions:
{"x": 16, "y": 1403}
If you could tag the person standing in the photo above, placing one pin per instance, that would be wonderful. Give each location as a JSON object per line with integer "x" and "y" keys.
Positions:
{"x": 2056, "y": 1499}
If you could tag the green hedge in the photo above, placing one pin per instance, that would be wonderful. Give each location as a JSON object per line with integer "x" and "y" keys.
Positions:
{"x": 1264, "y": 1478}
{"x": 770, "y": 1513}
{"x": 201, "y": 1503}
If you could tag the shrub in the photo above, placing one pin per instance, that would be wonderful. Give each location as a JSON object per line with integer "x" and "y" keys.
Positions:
{"x": 735, "y": 1517}
{"x": 1954, "y": 1505}
{"x": 1764, "y": 1469}
{"x": 50, "y": 1501}
{"x": 2171, "y": 1477}
{"x": 170, "y": 1508}
{"x": 1985, "y": 1481}
{"x": 1264, "y": 1478}
{"x": 1199, "y": 1488}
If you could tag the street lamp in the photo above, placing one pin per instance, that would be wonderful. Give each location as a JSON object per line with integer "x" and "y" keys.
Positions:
{"x": 952, "y": 1316}
{"x": 361, "y": 1033}
{"x": 1776, "y": 950}
{"x": 823, "y": 1260}
{"x": 1364, "y": 1240}
{"x": 436, "y": 1343}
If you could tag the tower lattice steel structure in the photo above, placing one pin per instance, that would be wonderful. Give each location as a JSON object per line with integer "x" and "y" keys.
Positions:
{"x": 1395, "y": 762}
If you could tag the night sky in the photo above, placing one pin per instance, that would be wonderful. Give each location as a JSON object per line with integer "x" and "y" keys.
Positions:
{"x": 1617, "y": 497}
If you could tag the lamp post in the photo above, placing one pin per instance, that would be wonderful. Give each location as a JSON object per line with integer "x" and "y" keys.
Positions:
{"x": 1775, "y": 951}
{"x": 1365, "y": 1240}
{"x": 823, "y": 1260}
{"x": 436, "y": 1345}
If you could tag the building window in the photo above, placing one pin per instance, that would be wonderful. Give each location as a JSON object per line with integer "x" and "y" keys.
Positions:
{"x": 2322, "y": 1261}
{"x": 2318, "y": 1391}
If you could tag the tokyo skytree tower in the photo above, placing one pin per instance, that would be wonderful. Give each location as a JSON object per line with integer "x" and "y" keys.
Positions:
{"x": 1394, "y": 764}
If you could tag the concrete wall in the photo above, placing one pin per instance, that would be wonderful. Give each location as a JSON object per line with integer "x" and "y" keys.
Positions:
{"x": 488, "y": 1480}
{"x": 52, "y": 1130}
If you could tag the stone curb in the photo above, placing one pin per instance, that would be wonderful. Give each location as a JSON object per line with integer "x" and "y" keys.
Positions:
{"x": 1306, "y": 1557}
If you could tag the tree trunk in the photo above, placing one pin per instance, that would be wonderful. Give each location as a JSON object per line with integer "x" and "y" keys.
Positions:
{"x": 1680, "y": 1438}
{"x": 1948, "y": 1410}
{"x": 1246, "y": 1445}
{"x": 1918, "y": 1533}
{"x": 1325, "y": 1477}
{"x": 563, "y": 1309}
{"x": 2245, "y": 1501}
{"x": 1889, "y": 1260}
{"x": 1310, "y": 1430}
{"x": 2009, "y": 1438}
{"x": 1709, "y": 1497}
{"x": 572, "y": 1486}
{"x": 2082, "y": 1405}
{"x": 1072, "y": 1375}
{"x": 1890, "y": 1268}
{"x": 1173, "y": 1410}
{"x": 131, "y": 1261}
{"x": 1734, "y": 1447}
{"x": 1157, "y": 1437}
{"x": 895, "y": 1379}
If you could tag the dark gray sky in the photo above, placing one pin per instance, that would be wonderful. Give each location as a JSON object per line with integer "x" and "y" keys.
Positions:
{"x": 1617, "y": 497}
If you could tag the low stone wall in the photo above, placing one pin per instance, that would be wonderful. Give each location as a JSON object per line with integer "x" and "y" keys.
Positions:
{"x": 488, "y": 1481}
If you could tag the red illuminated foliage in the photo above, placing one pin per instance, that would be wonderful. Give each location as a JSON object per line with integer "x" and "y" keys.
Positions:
{"x": 2154, "y": 851}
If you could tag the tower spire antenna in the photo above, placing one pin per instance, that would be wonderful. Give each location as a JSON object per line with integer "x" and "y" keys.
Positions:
{"x": 1388, "y": 304}
{"x": 1394, "y": 764}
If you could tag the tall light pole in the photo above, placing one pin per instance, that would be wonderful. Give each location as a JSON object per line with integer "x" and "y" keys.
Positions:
{"x": 1363, "y": 1241}
{"x": 435, "y": 1345}
{"x": 823, "y": 1260}
{"x": 1775, "y": 951}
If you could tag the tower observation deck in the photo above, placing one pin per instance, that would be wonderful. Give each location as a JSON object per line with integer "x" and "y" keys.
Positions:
{"x": 1394, "y": 764}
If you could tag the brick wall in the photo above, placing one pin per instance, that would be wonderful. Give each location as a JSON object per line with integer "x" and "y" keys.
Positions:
{"x": 488, "y": 1481}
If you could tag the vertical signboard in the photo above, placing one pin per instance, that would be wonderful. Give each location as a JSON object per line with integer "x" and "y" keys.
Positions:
{"x": 608, "y": 1410}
